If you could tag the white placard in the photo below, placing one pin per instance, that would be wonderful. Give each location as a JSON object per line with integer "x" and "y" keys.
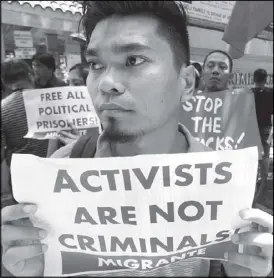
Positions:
{"x": 23, "y": 38}
{"x": 135, "y": 213}
{"x": 50, "y": 110}
{"x": 24, "y": 52}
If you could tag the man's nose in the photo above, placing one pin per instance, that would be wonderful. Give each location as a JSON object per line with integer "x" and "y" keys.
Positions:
{"x": 216, "y": 71}
{"x": 111, "y": 83}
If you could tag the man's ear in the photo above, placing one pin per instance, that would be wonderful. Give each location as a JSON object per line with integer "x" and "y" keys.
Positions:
{"x": 187, "y": 75}
{"x": 31, "y": 77}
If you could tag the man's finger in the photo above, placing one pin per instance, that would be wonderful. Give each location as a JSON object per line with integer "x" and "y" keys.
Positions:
{"x": 74, "y": 130}
{"x": 15, "y": 212}
{"x": 11, "y": 233}
{"x": 16, "y": 254}
{"x": 254, "y": 263}
{"x": 253, "y": 238}
{"x": 64, "y": 140}
{"x": 258, "y": 216}
{"x": 67, "y": 134}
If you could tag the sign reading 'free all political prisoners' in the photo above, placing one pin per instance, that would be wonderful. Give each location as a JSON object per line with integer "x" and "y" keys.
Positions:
{"x": 223, "y": 120}
{"x": 135, "y": 213}
{"x": 51, "y": 110}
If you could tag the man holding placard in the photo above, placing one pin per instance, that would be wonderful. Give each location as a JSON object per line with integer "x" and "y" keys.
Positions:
{"x": 44, "y": 67}
{"x": 220, "y": 117}
{"x": 18, "y": 76}
{"x": 139, "y": 55}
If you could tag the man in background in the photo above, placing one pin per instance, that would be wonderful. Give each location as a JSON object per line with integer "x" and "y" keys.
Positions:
{"x": 217, "y": 68}
{"x": 198, "y": 77}
{"x": 78, "y": 75}
{"x": 44, "y": 71}
{"x": 264, "y": 110}
{"x": 17, "y": 76}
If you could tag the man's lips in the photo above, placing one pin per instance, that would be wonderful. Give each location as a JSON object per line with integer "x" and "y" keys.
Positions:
{"x": 215, "y": 79}
{"x": 111, "y": 107}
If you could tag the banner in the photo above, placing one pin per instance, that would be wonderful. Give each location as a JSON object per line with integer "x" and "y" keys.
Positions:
{"x": 223, "y": 120}
{"x": 212, "y": 11}
{"x": 248, "y": 19}
{"x": 135, "y": 213}
{"x": 245, "y": 79}
{"x": 50, "y": 110}
{"x": 23, "y": 38}
{"x": 24, "y": 52}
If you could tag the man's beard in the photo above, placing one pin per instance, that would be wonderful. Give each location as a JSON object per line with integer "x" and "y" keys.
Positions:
{"x": 215, "y": 88}
{"x": 114, "y": 134}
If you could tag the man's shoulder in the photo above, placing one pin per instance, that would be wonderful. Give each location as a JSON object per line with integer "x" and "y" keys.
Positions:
{"x": 64, "y": 152}
{"x": 12, "y": 102}
{"x": 194, "y": 145}
{"x": 269, "y": 90}
{"x": 56, "y": 82}
{"x": 81, "y": 143}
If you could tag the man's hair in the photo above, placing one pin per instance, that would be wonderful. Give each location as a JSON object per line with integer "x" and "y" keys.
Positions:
{"x": 46, "y": 59}
{"x": 198, "y": 67}
{"x": 15, "y": 70}
{"x": 222, "y": 52}
{"x": 260, "y": 75}
{"x": 198, "y": 74}
{"x": 173, "y": 21}
{"x": 82, "y": 69}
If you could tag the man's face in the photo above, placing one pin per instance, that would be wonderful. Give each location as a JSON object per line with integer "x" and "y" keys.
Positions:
{"x": 23, "y": 84}
{"x": 41, "y": 72}
{"x": 133, "y": 80}
{"x": 75, "y": 79}
{"x": 216, "y": 72}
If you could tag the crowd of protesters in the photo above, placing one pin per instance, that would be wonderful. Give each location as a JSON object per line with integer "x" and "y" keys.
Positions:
{"x": 17, "y": 75}
{"x": 213, "y": 76}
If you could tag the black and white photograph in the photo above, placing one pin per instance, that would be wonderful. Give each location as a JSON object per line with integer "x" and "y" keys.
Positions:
{"x": 137, "y": 138}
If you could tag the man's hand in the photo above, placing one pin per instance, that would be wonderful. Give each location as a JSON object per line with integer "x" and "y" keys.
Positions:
{"x": 256, "y": 258}
{"x": 23, "y": 253}
{"x": 68, "y": 137}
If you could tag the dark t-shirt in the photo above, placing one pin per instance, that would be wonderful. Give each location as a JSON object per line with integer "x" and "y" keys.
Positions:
{"x": 14, "y": 127}
{"x": 264, "y": 106}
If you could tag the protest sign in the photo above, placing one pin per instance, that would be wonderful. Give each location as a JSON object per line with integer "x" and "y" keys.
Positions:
{"x": 50, "y": 110}
{"x": 223, "y": 120}
{"x": 135, "y": 213}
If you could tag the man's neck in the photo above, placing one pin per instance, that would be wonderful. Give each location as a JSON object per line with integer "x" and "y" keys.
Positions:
{"x": 164, "y": 140}
{"x": 214, "y": 90}
{"x": 44, "y": 82}
{"x": 259, "y": 86}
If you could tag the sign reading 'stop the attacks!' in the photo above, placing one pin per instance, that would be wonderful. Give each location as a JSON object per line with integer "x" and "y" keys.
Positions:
{"x": 106, "y": 215}
{"x": 223, "y": 120}
{"x": 51, "y": 110}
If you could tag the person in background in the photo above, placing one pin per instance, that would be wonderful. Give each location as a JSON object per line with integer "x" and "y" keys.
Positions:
{"x": 264, "y": 110}
{"x": 139, "y": 57}
{"x": 217, "y": 68}
{"x": 78, "y": 75}
{"x": 198, "y": 77}
{"x": 4, "y": 92}
{"x": 44, "y": 71}
{"x": 17, "y": 76}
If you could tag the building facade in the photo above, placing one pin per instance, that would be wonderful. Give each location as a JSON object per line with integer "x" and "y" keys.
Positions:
{"x": 208, "y": 20}
{"x": 30, "y": 27}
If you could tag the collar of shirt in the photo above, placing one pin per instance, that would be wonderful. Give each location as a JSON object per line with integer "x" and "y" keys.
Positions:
{"x": 103, "y": 147}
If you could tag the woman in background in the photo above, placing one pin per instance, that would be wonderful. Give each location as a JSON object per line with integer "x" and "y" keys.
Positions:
{"x": 77, "y": 77}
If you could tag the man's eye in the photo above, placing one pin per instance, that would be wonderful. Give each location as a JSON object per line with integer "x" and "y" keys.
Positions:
{"x": 95, "y": 65}
{"x": 134, "y": 61}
